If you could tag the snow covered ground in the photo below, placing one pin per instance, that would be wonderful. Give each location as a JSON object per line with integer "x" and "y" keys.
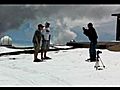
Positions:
{"x": 66, "y": 68}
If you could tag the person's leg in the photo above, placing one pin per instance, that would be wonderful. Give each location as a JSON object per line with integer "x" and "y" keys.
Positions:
{"x": 36, "y": 59}
{"x": 92, "y": 51}
{"x": 36, "y": 47}
{"x": 46, "y": 49}
{"x": 42, "y": 55}
{"x": 35, "y": 55}
{"x": 35, "y": 51}
{"x": 42, "y": 49}
{"x": 45, "y": 54}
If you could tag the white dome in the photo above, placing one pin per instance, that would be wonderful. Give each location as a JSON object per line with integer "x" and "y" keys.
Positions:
{"x": 6, "y": 40}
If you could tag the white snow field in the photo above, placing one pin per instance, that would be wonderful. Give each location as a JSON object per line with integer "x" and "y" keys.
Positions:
{"x": 66, "y": 68}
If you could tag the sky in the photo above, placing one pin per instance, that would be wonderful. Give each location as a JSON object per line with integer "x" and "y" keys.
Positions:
{"x": 20, "y": 21}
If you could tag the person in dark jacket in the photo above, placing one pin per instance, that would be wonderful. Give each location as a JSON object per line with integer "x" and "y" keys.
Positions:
{"x": 36, "y": 42}
{"x": 92, "y": 35}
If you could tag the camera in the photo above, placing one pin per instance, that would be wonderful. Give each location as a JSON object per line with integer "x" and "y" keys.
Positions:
{"x": 83, "y": 28}
{"x": 98, "y": 52}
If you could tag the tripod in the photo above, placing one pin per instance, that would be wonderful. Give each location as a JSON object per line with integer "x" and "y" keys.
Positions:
{"x": 97, "y": 64}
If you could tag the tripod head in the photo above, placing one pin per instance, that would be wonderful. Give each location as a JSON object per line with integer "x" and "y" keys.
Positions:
{"x": 98, "y": 52}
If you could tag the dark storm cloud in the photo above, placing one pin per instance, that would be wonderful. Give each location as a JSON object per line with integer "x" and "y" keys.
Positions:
{"x": 13, "y": 16}
{"x": 95, "y": 12}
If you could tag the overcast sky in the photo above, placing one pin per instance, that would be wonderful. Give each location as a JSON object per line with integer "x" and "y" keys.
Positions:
{"x": 20, "y": 21}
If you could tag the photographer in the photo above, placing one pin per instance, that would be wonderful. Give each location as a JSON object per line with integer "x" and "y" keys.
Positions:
{"x": 92, "y": 35}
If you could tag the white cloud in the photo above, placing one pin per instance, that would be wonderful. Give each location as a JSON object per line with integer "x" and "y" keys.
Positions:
{"x": 65, "y": 16}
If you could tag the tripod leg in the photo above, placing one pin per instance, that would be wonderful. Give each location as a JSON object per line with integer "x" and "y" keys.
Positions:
{"x": 96, "y": 64}
{"x": 102, "y": 63}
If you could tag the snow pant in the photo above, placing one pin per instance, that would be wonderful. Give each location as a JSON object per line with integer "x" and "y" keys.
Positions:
{"x": 92, "y": 50}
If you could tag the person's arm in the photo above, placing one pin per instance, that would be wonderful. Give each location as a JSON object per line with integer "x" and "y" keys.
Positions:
{"x": 36, "y": 38}
{"x": 42, "y": 37}
{"x": 49, "y": 37}
{"x": 85, "y": 31}
{"x": 84, "y": 28}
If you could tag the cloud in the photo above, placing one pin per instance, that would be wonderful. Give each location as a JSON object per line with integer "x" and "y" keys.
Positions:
{"x": 12, "y": 16}
{"x": 62, "y": 17}
{"x": 64, "y": 33}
